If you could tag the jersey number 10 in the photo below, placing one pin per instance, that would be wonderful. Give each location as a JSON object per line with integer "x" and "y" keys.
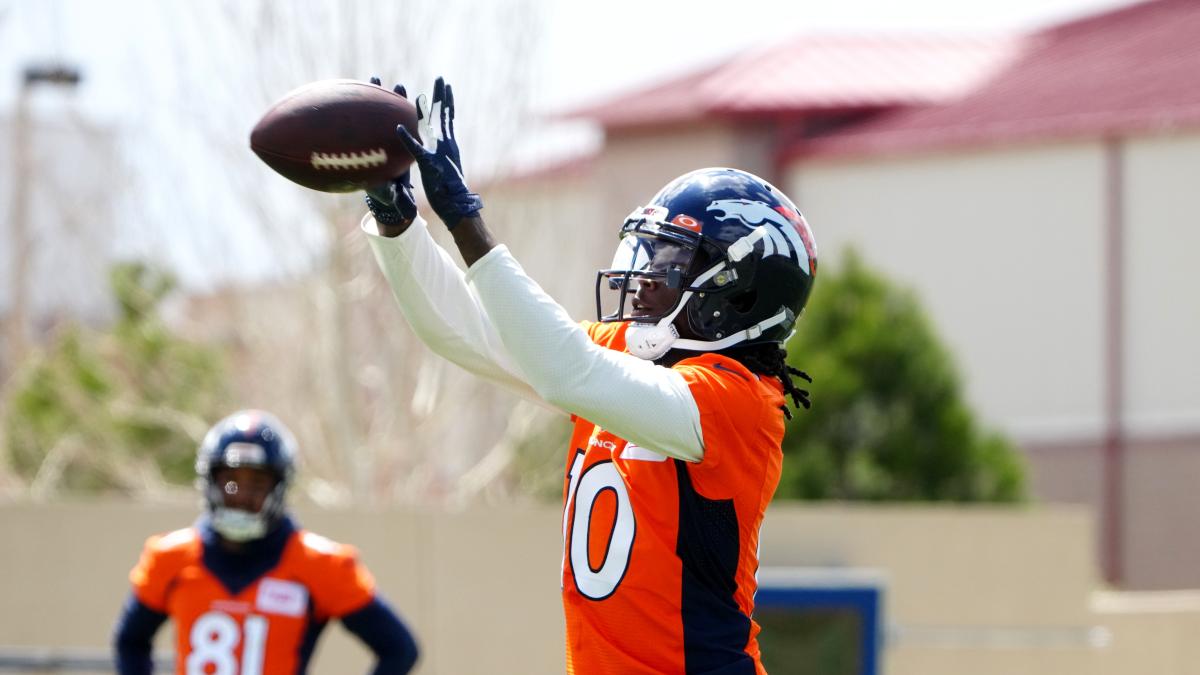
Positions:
{"x": 216, "y": 635}
{"x": 583, "y": 489}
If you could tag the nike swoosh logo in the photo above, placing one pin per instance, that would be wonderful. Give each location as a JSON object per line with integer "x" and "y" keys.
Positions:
{"x": 717, "y": 366}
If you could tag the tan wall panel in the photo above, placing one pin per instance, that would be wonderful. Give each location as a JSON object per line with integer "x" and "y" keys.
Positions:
{"x": 1037, "y": 563}
{"x": 1000, "y": 661}
{"x": 65, "y": 568}
{"x": 63, "y": 586}
{"x": 1151, "y": 632}
{"x": 480, "y": 589}
{"x": 495, "y": 583}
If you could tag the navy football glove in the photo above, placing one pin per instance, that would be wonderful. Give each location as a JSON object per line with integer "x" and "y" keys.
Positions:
{"x": 441, "y": 167}
{"x": 393, "y": 202}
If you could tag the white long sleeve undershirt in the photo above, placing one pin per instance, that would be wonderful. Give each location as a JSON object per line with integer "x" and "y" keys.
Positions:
{"x": 443, "y": 312}
{"x": 497, "y": 323}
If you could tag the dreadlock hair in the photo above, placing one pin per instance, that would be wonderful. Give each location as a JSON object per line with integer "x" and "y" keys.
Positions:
{"x": 770, "y": 359}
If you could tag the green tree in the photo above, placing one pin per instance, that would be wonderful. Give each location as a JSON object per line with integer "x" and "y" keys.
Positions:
{"x": 888, "y": 420}
{"x": 117, "y": 410}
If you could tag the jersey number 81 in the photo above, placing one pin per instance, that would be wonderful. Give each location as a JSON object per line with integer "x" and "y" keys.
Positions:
{"x": 214, "y": 638}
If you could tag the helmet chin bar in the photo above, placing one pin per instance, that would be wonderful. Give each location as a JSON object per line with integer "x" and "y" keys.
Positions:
{"x": 649, "y": 341}
{"x": 750, "y": 333}
{"x": 238, "y": 525}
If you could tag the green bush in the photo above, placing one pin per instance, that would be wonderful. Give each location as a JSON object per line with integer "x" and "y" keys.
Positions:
{"x": 888, "y": 420}
{"x": 95, "y": 411}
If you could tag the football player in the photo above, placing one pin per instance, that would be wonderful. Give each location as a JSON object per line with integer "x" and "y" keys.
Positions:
{"x": 249, "y": 591}
{"x": 676, "y": 391}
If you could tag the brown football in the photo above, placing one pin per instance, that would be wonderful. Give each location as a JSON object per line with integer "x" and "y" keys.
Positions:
{"x": 336, "y": 135}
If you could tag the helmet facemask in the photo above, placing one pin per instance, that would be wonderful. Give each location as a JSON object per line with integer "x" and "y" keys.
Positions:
{"x": 240, "y": 525}
{"x": 650, "y": 250}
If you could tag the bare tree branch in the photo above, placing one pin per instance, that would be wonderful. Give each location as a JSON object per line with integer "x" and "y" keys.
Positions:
{"x": 381, "y": 418}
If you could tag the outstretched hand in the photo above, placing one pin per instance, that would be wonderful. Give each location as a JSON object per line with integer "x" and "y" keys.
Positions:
{"x": 441, "y": 166}
{"x": 393, "y": 203}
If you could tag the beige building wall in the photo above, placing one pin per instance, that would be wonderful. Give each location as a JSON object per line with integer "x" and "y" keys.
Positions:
{"x": 1161, "y": 529}
{"x": 1162, "y": 315}
{"x": 554, "y": 225}
{"x": 1006, "y": 249}
{"x": 1161, "y": 533}
{"x": 979, "y": 590}
{"x": 636, "y": 163}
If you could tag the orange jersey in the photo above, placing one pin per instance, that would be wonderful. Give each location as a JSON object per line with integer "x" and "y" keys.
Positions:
{"x": 263, "y": 629}
{"x": 660, "y": 555}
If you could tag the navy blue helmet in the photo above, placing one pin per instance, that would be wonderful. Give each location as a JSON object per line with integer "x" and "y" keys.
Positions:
{"x": 739, "y": 251}
{"x": 247, "y": 438}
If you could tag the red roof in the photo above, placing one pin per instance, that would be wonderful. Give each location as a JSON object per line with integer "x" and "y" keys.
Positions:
{"x": 1131, "y": 69}
{"x": 540, "y": 174}
{"x": 816, "y": 73}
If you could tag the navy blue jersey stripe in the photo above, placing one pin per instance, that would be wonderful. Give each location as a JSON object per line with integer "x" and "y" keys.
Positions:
{"x": 309, "y": 644}
{"x": 715, "y": 631}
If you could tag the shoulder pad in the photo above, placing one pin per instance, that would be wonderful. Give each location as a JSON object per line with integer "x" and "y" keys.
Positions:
{"x": 171, "y": 542}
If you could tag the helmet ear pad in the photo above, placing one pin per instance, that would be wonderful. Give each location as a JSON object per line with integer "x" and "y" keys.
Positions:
{"x": 744, "y": 303}
{"x": 718, "y": 310}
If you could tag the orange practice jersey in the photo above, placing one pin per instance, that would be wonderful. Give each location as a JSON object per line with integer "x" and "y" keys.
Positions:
{"x": 263, "y": 629}
{"x": 660, "y": 555}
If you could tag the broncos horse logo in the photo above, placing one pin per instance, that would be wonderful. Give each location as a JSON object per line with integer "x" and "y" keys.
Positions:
{"x": 789, "y": 236}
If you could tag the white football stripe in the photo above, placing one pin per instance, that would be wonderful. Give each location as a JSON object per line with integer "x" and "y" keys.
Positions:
{"x": 793, "y": 236}
{"x": 340, "y": 161}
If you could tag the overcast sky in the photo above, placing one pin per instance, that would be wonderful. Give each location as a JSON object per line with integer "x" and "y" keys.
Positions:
{"x": 584, "y": 50}
{"x": 599, "y": 47}
{"x": 589, "y": 49}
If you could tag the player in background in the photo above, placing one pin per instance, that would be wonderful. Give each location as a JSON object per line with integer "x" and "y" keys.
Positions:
{"x": 248, "y": 590}
{"x": 677, "y": 392}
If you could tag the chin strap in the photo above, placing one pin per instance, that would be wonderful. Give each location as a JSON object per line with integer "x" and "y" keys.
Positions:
{"x": 649, "y": 341}
{"x": 750, "y": 333}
